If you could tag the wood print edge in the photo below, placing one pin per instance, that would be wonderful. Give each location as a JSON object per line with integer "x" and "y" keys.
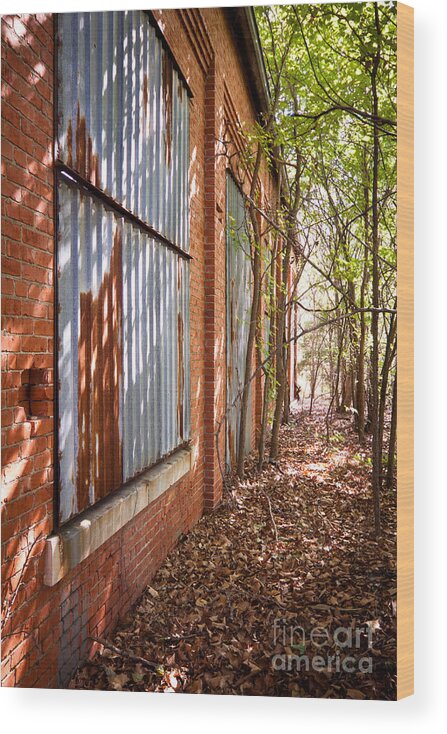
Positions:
{"x": 405, "y": 410}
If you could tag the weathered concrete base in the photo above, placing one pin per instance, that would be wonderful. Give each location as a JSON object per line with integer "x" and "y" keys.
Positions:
{"x": 81, "y": 537}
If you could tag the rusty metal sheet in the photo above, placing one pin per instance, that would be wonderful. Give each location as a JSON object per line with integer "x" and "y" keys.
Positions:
{"x": 239, "y": 294}
{"x": 123, "y": 116}
{"x": 123, "y": 294}
{"x": 123, "y": 356}
{"x": 155, "y": 348}
{"x": 89, "y": 350}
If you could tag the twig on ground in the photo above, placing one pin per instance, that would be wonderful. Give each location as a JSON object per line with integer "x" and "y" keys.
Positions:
{"x": 275, "y": 529}
{"x": 135, "y": 658}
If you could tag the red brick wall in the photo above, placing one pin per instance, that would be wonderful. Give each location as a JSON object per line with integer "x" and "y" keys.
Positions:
{"x": 49, "y": 630}
{"x": 27, "y": 319}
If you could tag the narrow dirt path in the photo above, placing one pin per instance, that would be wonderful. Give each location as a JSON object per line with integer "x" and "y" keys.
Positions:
{"x": 282, "y": 591}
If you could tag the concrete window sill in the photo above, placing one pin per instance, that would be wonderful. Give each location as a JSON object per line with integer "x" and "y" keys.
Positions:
{"x": 73, "y": 543}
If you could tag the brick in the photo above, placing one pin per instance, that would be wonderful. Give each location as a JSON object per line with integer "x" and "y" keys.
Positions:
{"x": 7, "y": 150}
{"x": 35, "y": 239}
{"x": 41, "y": 426}
{"x": 11, "y": 230}
{"x": 11, "y": 267}
{"x": 21, "y": 290}
{"x": 20, "y": 212}
{"x": 21, "y": 432}
{"x": 34, "y": 344}
{"x": 33, "y": 308}
{"x": 10, "y": 455}
{"x": 31, "y": 447}
{"x": 34, "y": 273}
{"x": 35, "y": 132}
{"x": 10, "y": 343}
{"x": 17, "y": 325}
{"x": 7, "y": 286}
{"x": 40, "y": 293}
{"x": 20, "y": 415}
{"x": 11, "y": 306}
{"x": 46, "y": 328}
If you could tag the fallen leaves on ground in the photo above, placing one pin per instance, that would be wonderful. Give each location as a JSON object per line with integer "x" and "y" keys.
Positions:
{"x": 208, "y": 618}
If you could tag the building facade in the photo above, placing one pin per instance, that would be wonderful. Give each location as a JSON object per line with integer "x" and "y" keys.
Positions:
{"x": 124, "y": 307}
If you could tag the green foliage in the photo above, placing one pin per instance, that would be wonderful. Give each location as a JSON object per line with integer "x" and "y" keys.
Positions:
{"x": 348, "y": 269}
{"x": 320, "y": 61}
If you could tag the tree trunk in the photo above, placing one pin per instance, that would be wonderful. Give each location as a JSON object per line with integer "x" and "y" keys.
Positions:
{"x": 281, "y": 375}
{"x": 392, "y": 441}
{"x": 268, "y": 369}
{"x": 388, "y": 359}
{"x": 335, "y": 388}
{"x": 254, "y": 316}
{"x": 361, "y": 397}
{"x": 286, "y": 411}
{"x": 376, "y": 458}
{"x": 361, "y": 382}
{"x": 264, "y": 419}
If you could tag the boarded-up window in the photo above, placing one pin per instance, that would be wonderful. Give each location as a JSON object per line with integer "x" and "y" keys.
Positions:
{"x": 123, "y": 262}
{"x": 239, "y": 295}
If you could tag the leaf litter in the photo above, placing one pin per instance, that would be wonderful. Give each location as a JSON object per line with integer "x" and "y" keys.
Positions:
{"x": 294, "y": 544}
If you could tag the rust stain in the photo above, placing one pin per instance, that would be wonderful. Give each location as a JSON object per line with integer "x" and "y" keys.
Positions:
{"x": 86, "y": 161}
{"x": 69, "y": 144}
{"x": 92, "y": 164}
{"x": 98, "y": 392}
{"x": 80, "y": 142}
{"x": 145, "y": 94}
{"x": 95, "y": 169}
{"x": 167, "y": 97}
{"x": 231, "y": 445}
{"x": 99, "y": 463}
{"x": 180, "y": 374}
{"x": 84, "y": 402}
{"x": 115, "y": 320}
{"x": 89, "y": 158}
{"x": 181, "y": 367}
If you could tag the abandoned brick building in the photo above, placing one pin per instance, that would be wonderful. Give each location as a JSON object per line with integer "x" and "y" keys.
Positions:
{"x": 123, "y": 340}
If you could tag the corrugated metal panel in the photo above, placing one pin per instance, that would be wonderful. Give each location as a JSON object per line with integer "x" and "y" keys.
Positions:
{"x": 239, "y": 294}
{"x": 123, "y": 112}
{"x": 123, "y": 323}
{"x": 155, "y": 374}
{"x": 123, "y": 312}
{"x": 90, "y": 350}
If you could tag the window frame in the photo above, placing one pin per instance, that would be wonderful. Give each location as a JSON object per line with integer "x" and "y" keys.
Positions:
{"x": 63, "y": 174}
